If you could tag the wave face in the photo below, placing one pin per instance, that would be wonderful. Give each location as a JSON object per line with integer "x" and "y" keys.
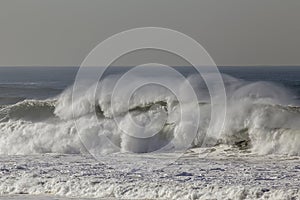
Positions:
{"x": 260, "y": 116}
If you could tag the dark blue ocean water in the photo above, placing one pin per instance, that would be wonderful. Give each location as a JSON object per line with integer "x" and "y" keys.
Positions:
{"x": 18, "y": 83}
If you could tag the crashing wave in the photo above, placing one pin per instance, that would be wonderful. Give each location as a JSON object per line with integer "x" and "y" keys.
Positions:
{"x": 258, "y": 119}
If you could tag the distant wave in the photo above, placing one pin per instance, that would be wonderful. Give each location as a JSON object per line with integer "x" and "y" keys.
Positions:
{"x": 261, "y": 117}
{"x": 11, "y": 94}
{"x": 29, "y": 110}
{"x": 10, "y": 100}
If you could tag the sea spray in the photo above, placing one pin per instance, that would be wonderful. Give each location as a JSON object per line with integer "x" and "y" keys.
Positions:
{"x": 260, "y": 116}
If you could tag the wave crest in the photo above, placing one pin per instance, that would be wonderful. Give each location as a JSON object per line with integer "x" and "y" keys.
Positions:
{"x": 259, "y": 118}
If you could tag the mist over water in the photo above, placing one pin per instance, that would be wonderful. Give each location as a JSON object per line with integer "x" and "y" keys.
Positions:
{"x": 261, "y": 116}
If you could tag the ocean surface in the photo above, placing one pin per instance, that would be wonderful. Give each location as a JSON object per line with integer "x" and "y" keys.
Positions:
{"x": 18, "y": 83}
{"x": 40, "y": 125}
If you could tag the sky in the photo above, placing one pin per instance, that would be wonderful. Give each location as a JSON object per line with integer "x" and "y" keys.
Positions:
{"x": 234, "y": 32}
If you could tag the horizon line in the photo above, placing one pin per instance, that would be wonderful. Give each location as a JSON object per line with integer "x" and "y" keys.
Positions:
{"x": 170, "y": 66}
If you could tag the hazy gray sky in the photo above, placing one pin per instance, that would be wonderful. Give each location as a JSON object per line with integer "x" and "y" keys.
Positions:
{"x": 234, "y": 32}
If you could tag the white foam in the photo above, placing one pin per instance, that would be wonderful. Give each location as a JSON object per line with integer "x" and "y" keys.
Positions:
{"x": 257, "y": 112}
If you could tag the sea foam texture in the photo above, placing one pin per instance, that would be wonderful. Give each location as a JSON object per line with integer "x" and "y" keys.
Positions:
{"x": 260, "y": 116}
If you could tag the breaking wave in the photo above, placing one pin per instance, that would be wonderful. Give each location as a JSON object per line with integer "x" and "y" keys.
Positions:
{"x": 261, "y": 117}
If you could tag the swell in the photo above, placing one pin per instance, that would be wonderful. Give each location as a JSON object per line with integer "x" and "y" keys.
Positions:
{"x": 29, "y": 110}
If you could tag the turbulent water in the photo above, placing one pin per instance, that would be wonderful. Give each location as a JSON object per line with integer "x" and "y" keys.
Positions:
{"x": 51, "y": 132}
{"x": 37, "y": 115}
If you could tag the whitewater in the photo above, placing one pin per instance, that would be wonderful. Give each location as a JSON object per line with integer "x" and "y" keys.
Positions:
{"x": 261, "y": 116}
{"x": 85, "y": 147}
